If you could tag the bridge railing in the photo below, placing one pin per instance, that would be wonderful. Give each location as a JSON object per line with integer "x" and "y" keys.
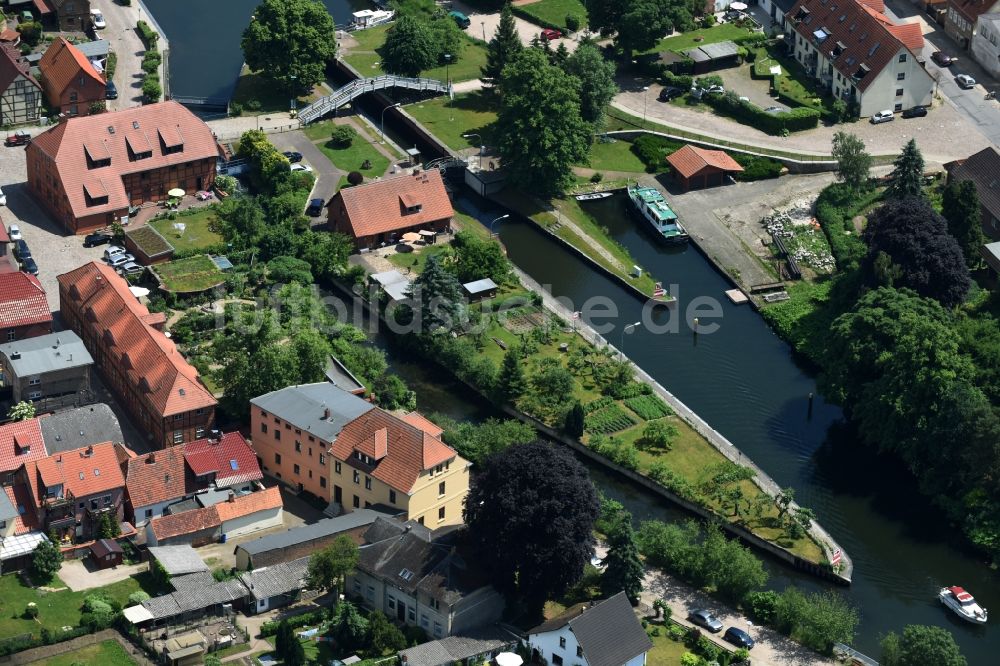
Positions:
{"x": 359, "y": 87}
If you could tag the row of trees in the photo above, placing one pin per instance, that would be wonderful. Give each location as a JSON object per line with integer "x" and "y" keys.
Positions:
{"x": 910, "y": 358}
{"x": 639, "y": 24}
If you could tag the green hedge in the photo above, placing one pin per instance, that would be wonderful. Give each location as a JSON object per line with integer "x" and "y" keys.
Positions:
{"x": 149, "y": 36}
{"x": 836, "y": 207}
{"x": 652, "y": 150}
{"x": 756, "y": 168}
{"x": 314, "y": 617}
{"x": 531, "y": 18}
{"x": 747, "y": 113}
{"x": 682, "y": 81}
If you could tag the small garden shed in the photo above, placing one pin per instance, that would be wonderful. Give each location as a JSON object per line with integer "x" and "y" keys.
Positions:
{"x": 107, "y": 553}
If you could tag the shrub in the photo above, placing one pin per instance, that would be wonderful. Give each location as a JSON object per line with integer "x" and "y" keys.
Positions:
{"x": 709, "y": 81}
{"x": 137, "y": 597}
{"x": 682, "y": 81}
{"x": 835, "y": 208}
{"x": 314, "y": 617}
{"x": 235, "y": 109}
{"x": 757, "y": 168}
{"x": 762, "y": 605}
{"x": 149, "y": 36}
{"x": 797, "y": 119}
{"x": 253, "y": 105}
{"x": 572, "y": 22}
{"x": 32, "y": 610}
{"x": 151, "y": 89}
{"x": 31, "y": 32}
{"x": 652, "y": 150}
{"x": 597, "y": 177}
{"x": 343, "y": 136}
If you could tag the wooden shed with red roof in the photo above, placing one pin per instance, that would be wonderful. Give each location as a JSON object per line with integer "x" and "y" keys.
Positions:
{"x": 696, "y": 168}
{"x": 70, "y": 81}
{"x": 378, "y": 213}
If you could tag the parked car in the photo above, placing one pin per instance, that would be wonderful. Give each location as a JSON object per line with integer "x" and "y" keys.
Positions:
{"x": 943, "y": 59}
{"x": 965, "y": 81}
{"x": 98, "y": 18}
{"x": 97, "y": 238}
{"x": 670, "y": 92}
{"x": 739, "y": 638}
{"x": 111, "y": 91}
{"x": 315, "y": 207}
{"x": 703, "y": 618}
{"x": 130, "y": 268}
{"x": 14, "y": 232}
{"x": 18, "y": 138}
{"x": 548, "y": 34}
{"x": 915, "y": 112}
{"x": 301, "y": 167}
{"x": 29, "y": 266}
{"x": 112, "y": 251}
{"x": 21, "y": 250}
{"x": 293, "y": 156}
{"x": 120, "y": 260}
{"x": 461, "y": 19}
{"x": 720, "y": 90}
{"x": 883, "y": 117}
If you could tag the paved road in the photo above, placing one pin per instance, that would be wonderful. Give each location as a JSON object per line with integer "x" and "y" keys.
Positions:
{"x": 125, "y": 42}
{"x": 484, "y": 26}
{"x": 327, "y": 175}
{"x": 983, "y": 114}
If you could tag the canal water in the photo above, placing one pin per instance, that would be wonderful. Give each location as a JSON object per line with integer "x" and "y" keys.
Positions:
{"x": 205, "y": 55}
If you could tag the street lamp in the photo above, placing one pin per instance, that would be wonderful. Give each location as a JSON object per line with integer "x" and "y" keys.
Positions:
{"x": 502, "y": 217}
{"x": 481, "y": 147}
{"x": 447, "y": 77}
{"x": 626, "y": 329}
{"x": 484, "y": 30}
{"x": 645, "y": 97}
{"x": 382, "y": 122}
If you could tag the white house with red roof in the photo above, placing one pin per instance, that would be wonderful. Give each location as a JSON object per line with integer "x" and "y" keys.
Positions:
{"x": 859, "y": 54}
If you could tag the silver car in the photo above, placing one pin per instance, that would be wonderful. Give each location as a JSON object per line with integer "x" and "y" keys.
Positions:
{"x": 965, "y": 81}
{"x": 703, "y": 618}
{"x": 120, "y": 259}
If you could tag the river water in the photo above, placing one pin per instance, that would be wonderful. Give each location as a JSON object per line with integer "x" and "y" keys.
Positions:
{"x": 741, "y": 379}
{"x": 205, "y": 55}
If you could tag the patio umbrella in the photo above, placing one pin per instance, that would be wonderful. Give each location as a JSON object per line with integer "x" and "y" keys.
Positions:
{"x": 176, "y": 192}
{"x": 508, "y": 659}
{"x": 738, "y": 6}
{"x": 411, "y": 237}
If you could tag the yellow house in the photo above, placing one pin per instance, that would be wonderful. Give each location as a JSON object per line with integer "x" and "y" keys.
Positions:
{"x": 341, "y": 448}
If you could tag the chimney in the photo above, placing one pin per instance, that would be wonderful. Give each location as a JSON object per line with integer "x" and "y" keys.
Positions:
{"x": 14, "y": 355}
{"x": 151, "y": 459}
{"x": 59, "y": 458}
{"x": 326, "y": 413}
{"x": 89, "y": 451}
{"x": 232, "y": 497}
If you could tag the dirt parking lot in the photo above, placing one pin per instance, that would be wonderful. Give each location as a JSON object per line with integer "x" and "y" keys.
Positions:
{"x": 53, "y": 249}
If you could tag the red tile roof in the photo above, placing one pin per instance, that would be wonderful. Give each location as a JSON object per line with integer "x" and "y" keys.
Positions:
{"x": 64, "y": 65}
{"x": 13, "y": 65}
{"x": 381, "y": 206}
{"x": 910, "y": 34}
{"x": 85, "y": 471}
{"x": 409, "y": 450}
{"x": 189, "y": 522}
{"x": 876, "y": 5}
{"x": 21, "y": 497}
{"x": 22, "y": 301}
{"x": 155, "y": 477}
{"x": 20, "y": 442}
{"x": 868, "y": 43}
{"x": 44, "y": 7}
{"x": 418, "y": 420}
{"x": 689, "y": 160}
{"x": 230, "y": 458}
{"x": 111, "y": 136}
{"x": 4, "y": 235}
{"x": 150, "y": 359}
{"x": 246, "y": 505}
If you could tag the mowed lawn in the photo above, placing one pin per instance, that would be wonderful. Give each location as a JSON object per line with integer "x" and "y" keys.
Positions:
{"x": 55, "y": 609}
{"x": 366, "y": 59}
{"x": 106, "y": 653}
{"x": 353, "y": 157}
{"x": 688, "y": 40}
{"x": 448, "y": 119}
{"x": 193, "y": 274}
{"x": 197, "y": 232}
{"x": 554, "y": 12}
{"x": 614, "y": 156}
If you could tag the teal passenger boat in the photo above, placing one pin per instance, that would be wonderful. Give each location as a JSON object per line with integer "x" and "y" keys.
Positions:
{"x": 653, "y": 208}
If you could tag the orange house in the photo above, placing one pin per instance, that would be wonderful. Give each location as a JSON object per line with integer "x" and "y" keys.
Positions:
{"x": 69, "y": 79}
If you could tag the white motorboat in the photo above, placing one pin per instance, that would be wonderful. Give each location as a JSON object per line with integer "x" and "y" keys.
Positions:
{"x": 962, "y": 604}
{"x": 592, "y": 196}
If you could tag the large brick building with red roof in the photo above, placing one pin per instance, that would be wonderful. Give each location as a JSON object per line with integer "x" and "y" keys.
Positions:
{"x": 335, "y": 445}
{"x": 24, "y": 310}
{"x": 70, "y": 82}
{"x": 88, "y": 171}
{"x": 859, "y": 55}
{"x": 153, "y": 381}
{"x": 382, "y": 211}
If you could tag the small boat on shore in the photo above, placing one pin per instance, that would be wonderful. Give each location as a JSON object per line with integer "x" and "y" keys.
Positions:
{"x": 592, "y": 196}
{"x": 962, "y": 604}
{"x": 653, "y": 208}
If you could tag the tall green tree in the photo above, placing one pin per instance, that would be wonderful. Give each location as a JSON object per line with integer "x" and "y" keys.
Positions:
{"x": 921, "y": 645}
{"x": 328, "y": 567}
{"x": 476, "y": 441}
{"x": 637, "y": 24}
{"x": 511, "y": 381}
{"x": 623, "y": 568}
{"x": 290, "y": 43}
{"x": 288, "y": 647}
{"x": 960, "y": 208}
{"x": 597, "y": 80}
{"x": 440, "y": 303}
{"x": 502, "y": 49}
{"x": 22, "y": 411}
{"x": 907, "y": 175}
{"x": 46, "y": 561}
{"x": 540, "y": 131}
{"x": 312, "y": 351}
{"x": 575, "y": 420}
{"x": 475, "y": 258}
{"x": 409, "y": 47}
{"x": 915, "y": 238}
{"x": 530, "y": 513}
{"x": 349, "y": 627}
{"x": 384, "y": 636}
{"x": 853, "y": 161}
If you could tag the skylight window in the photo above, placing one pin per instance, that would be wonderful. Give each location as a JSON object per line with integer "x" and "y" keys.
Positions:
{"x": 406, "y": 574}
{"x": 233, "y": 465}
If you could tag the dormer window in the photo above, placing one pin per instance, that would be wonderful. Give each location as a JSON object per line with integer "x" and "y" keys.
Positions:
{"x": 364, "y": 458}
{"x": 410, "y": 203}
{"x": 862, "y": 71}
{"x": 839, "y": 48}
